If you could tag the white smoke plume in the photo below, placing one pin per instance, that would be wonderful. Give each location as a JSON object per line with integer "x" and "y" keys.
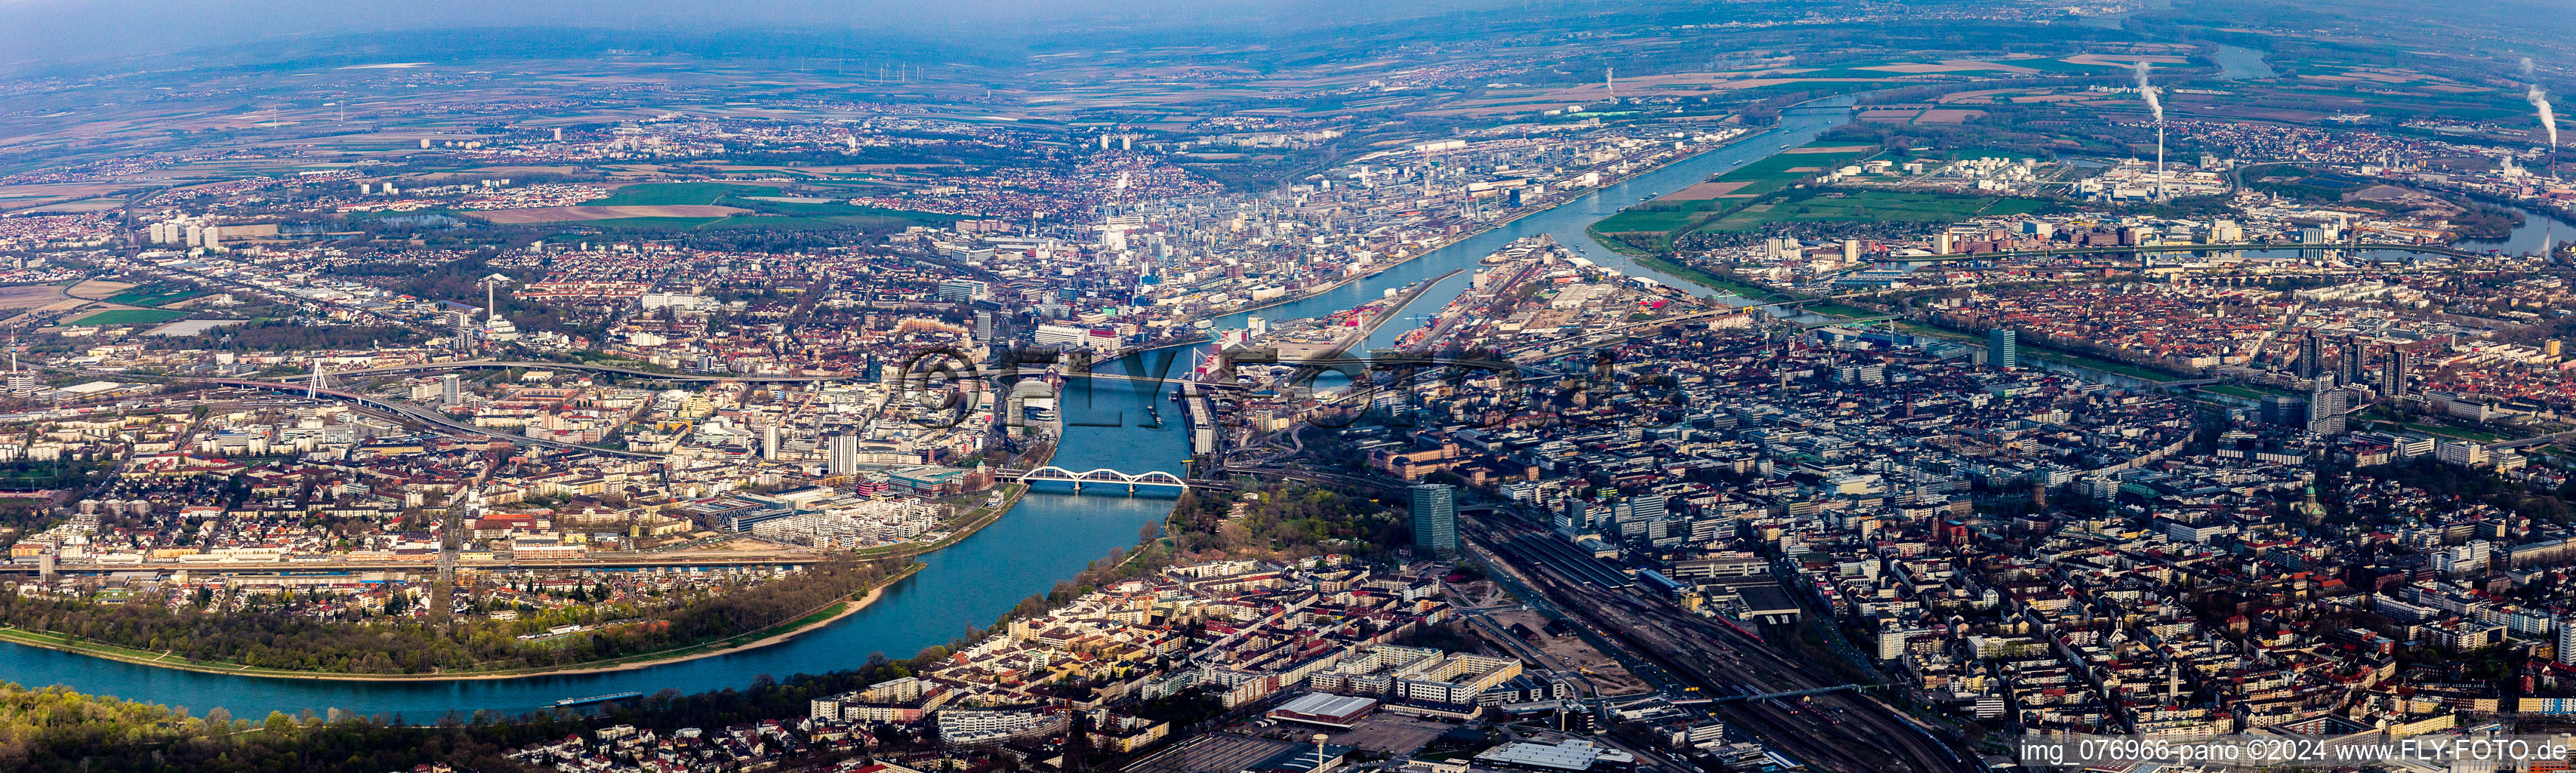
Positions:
{"x": 2548, "y": 120}
{"x": 2154, "y": 105}
{"x": 2526, "y": 67}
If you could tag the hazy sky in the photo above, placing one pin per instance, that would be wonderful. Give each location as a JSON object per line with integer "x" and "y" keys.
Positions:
{"x": 40, "y": 32}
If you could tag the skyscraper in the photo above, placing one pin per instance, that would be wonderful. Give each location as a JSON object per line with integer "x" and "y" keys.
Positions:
{"x": 2393, "y": 371}
{"x": 450, "y": 389}
{"x": 1435, "y": 521}
{"x": 2311, "y": 361}
{"x": 844, "y": 454}
{"x": 2348, "y": 368}
{"x": 2003, "y": 348}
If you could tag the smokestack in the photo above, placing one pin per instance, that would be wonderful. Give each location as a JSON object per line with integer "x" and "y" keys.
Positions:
{"x": 2548, "y": 119}
{"x": 2155, "y": 107}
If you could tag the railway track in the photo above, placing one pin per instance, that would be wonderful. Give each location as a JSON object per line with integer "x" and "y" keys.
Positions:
{"x": 1835, "y": 731}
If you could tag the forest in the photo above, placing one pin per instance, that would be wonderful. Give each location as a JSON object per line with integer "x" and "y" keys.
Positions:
{"x": 460, "y": 281}
{"x": 273, "y": 335}
{"x": 268, "y": 638}
{"x": 1287, "y": 521}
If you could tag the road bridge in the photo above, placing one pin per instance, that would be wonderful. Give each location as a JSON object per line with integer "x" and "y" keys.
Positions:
{"x": 1110, "y": 477}
{"x": 1793, "y": 693}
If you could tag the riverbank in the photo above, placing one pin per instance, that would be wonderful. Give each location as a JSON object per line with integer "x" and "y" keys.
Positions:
{"x": 747, "y": 640}
{"x": 980, "y": 518}
{"x": 1821, "y": 308}
{"x": 1528, "y": 211}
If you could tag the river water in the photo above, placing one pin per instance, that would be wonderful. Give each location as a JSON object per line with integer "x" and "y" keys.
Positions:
{"x": 1045, "y": 539}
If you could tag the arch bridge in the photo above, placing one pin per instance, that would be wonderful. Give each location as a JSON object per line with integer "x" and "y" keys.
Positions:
{"x": 1106, "y": 476}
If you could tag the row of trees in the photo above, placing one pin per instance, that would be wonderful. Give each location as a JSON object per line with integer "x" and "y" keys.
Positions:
{"x": 269, "y": 637}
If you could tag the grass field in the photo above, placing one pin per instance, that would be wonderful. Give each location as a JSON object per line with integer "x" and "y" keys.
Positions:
{"x": 892, "y": 220}
{"x": 652, "y": 194}
{"x": 2096, "y": 363}
{"x": 1872, "y": 206}
{"x": 765, "y": 214}
{"x": 155, "y": 295}
{"x": 130, "y": 317}
{"x": 1698, "y": 277}
{"x": 2448, "y": 431}
{"x": 1763, "y": 176}
{"x": 2249, "y": 392}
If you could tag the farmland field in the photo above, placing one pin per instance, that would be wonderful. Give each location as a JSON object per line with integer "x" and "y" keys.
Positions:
{"x": 155, "y": 295}
{"x": 661, "y": 194}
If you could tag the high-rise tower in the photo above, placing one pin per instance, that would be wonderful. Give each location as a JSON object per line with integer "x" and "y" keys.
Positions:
{"x": 1435, "y": 520}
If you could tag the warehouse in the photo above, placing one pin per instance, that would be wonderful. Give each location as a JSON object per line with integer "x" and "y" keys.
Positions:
{"x": 1325, "y": 709}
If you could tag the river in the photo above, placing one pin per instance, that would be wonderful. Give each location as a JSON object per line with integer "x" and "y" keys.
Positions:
{"x": 1046, "y": 538}
{"x": 1566, "y": 222}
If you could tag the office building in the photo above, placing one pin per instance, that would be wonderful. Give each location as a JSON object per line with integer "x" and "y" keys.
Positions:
{"x": 963, "y": 290}
{"x": 1637, "y": 514}
{"x": 451, "y": 390}
{"x": 1435, "y": 521}
{"x": 2284, "y": 410}
{"x": 2003, "y": 348}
